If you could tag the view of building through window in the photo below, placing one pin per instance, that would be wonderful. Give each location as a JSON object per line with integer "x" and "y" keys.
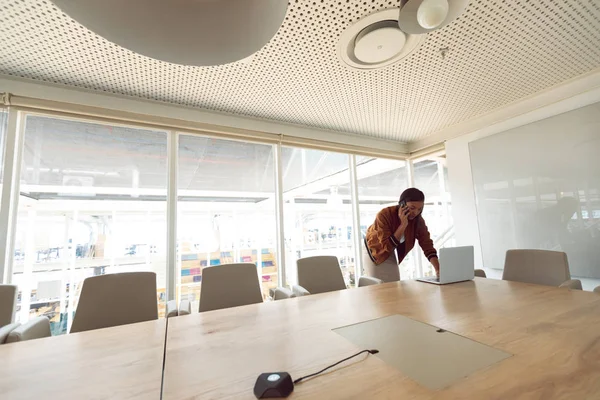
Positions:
{"x": 226, "y": 208}
{"x": 93, "y": 201}
{"x": 317, "y": 217}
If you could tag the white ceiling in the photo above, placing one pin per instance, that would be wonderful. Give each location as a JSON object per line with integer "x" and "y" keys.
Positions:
{"x": 500, "y": 51}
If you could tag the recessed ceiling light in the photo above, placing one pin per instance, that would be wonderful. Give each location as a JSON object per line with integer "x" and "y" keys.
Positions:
{"x": 379, "y": 42}
{"x": 376, "y": 41}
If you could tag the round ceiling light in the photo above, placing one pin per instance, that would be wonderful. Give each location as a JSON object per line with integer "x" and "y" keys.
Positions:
{"x": 423, "y": 16}
{"x": 432, "y": 13}
{"x": 187, "y": 32}
{"x": 376, "y": 41}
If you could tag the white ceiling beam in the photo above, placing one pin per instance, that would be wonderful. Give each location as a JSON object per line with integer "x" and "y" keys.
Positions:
{"x": 374, "y": 167}
{"x": 56, "y": 207}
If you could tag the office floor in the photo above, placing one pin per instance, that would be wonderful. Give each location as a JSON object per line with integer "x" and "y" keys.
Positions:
{"x": 587, "y": 283}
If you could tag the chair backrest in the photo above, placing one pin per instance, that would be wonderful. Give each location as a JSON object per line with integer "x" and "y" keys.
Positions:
{"x": 320, "y": 274}
{"x": 229, "y": 285}
{"x": 541, "y": 267}
{"x": 5, "y": 331}
{"x": 36, "y": 328}
{"x": 116, "y": 299}
{"x": 8, "y": 300}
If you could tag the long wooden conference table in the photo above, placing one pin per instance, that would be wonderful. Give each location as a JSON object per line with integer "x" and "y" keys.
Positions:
{"x": 552, "y": 334}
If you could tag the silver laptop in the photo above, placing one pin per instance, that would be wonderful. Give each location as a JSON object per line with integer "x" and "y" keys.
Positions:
{"x": 457, "y": 264}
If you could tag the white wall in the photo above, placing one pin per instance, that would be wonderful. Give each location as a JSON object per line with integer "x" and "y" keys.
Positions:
{"x": 459, "y": 166}
{"x": 460, "y": 179}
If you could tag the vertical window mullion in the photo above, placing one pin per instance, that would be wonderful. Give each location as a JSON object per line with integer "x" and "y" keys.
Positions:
{"x": 279, "y": 214}
{"x": 357, "y": 234}
{"x": 172, "y": 162}
{"x": 13, "y": 155}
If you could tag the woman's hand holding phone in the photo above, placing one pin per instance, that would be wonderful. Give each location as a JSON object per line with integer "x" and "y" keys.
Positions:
{"x": 403, "y": 212}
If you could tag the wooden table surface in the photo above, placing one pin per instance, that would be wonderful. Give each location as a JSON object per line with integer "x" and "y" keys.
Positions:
{"x": 553, "y": 333}
{"x": 124, "y": 362}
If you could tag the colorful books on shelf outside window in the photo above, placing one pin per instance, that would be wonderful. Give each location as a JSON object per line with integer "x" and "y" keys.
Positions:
{"x": 192, "y": 264}
{"x": 247, "y": 256}
{"x": 189, "y": 257}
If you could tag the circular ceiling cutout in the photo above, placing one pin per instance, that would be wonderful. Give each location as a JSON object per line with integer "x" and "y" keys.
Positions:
{"x": 376, "y": 41}
{"x": 197, "y": 33}
{"x": 379, "y": 42}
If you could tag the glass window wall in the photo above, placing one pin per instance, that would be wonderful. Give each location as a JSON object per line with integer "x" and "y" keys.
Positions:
{"x": 226, "y": 208}
{"x": 92, "y": 201}
{"x": 317, "y": 209}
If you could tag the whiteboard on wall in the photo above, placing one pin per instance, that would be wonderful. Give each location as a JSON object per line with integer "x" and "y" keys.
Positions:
{"x": 538, "y": 186}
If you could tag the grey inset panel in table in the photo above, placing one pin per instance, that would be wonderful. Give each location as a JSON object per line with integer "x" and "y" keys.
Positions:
{"x": 432, "y": 358}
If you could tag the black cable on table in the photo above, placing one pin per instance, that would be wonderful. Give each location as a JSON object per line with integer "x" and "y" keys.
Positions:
{"x": 333, "y": 365}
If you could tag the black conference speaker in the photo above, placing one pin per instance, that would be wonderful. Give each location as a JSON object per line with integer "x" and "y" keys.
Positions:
{"x": 273, "y": 385}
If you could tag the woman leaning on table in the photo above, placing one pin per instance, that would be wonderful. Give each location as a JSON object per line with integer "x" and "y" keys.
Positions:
{"x": 395, "y": 231}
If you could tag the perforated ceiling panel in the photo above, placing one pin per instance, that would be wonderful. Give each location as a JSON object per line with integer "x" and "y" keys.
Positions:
{"x": 498, "y": 52}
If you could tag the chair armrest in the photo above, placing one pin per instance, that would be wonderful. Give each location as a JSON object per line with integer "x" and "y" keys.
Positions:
{"x": 280, "y": 293}
{"x": 368, "y": 281}
{"x": 480, "y": 273}
{"x": 5, "y": 330}
{"x": 172, "y": 310}
{"x": 571, "y": 284}
{"x": 37, "y": 328}
{"x": 185, "y": 307}
{"x": 299, "y": 291}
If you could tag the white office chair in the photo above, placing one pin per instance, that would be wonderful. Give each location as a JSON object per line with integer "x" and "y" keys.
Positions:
{"x": 368, "y": 281}
{"x": 185, "y": 308}
{"x": 229, "y": 285}
{"x": 10, "y": 332}
{"x": 322, "y": 274}
{"x": 480, "y": 273}
{"x": 6, "y": 330}
{"x": 116, "y": 299}
{"x": 36, "y": 328}
{"x": 281, "y": 293}
{"x": 541, "y": 267}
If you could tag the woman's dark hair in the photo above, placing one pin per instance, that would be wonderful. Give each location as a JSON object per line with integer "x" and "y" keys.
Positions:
{"x": 412, "y": 194}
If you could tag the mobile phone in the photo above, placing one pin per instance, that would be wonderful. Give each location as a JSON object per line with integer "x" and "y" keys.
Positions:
{"x": 402, "y": 203}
